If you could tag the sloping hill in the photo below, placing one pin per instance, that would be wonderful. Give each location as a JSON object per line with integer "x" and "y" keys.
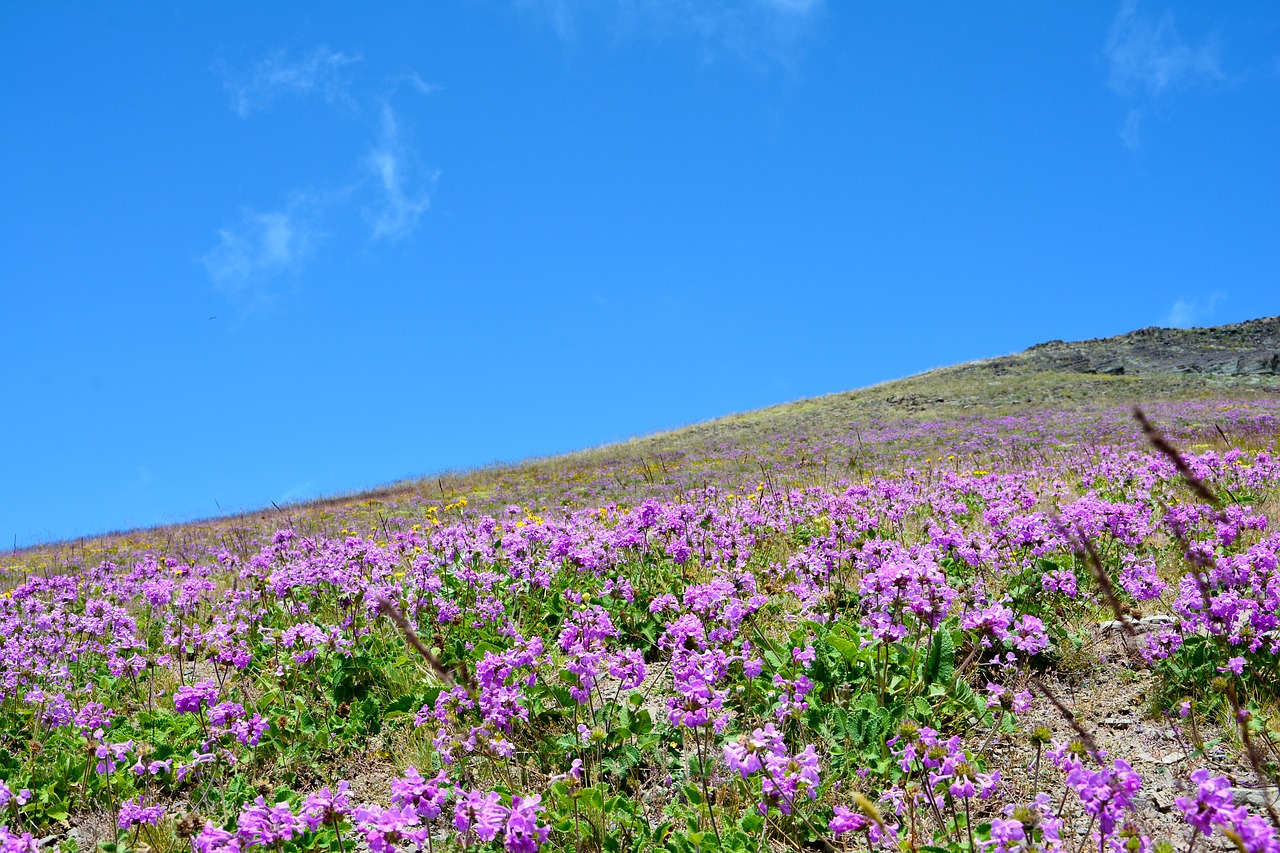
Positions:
{"x": 1241, "y": 360}
{"x": 1240, "y": 349}
{"x": 810, "y": 442}
{"x": 1148, "y": 364}
{"x": 987, "y": 559}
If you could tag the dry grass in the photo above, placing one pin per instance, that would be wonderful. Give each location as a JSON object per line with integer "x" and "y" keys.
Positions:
{"x": 642, "y": 465}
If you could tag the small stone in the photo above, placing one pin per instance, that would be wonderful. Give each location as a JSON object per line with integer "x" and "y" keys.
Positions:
{"x": 1256, "y": 798}
{"x": 1173, "y": 758}
{"x": 1117, "y": 722}
{"x": 1139, "y": 626}
{"x": 1164, "y": 800}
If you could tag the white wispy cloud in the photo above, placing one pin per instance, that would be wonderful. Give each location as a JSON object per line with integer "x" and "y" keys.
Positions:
{"x": 1131, "y": 129}
{"x": 753, "y": 29}
{"x": 1149, "y": 60}
{"x": 560, "y": 14}
{"x": 404, "y": 189}
{"x": 297, "y": 492}
{"x": 793, "y": 7}
{"x": 1149, "y": 57}
{"x": 415, "y": 82}
{"x": 320, "y": 71}
{"x": 387, "y": 184}
{"x": 258, "y": 249}
{"x": 1186, "y": 313}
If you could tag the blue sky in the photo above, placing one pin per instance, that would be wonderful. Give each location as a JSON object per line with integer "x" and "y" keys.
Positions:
{"x": 261, "y": 252}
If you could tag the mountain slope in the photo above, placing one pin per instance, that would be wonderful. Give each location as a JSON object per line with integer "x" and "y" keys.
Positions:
{"x": 812, "y": 441}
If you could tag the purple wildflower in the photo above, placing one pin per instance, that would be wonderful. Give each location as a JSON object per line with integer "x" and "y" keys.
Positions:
{"x": 134, "y": 812}
{"x": 523, "y": 833}
{"x": 188, "y": 699}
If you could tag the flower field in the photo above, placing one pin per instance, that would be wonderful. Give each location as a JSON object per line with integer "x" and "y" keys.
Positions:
{"x": 829, "y": 640}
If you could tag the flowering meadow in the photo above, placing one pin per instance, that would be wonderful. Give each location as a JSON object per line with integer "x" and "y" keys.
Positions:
{"x": 817, "y": 641}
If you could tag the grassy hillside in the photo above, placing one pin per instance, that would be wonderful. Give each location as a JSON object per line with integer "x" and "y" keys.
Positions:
{"x": 817, "y": 441}
{"x": 980, "y": 609}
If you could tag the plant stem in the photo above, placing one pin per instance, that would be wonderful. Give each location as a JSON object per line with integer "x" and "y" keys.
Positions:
{"x": 706, "y": 793}
{"x": 968, "y": 824}
{"x": 338, "y": 832}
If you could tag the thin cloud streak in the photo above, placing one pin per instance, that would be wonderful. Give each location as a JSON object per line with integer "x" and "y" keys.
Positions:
{"x": 257, "y": 249}
{"x": 751, "y": 29}
{"x": 390, "y": 189}
{"x": 405, "y": 194}
{"x": 1131, "y": 130}
{"x": 793, "y": 7}
{"x": 1149, "y": 57}
{"x": 1148, "y": 61}
{"x": 320, "y": 70}
{"x": 414, "y": 81}
{"x": 1187, "y": 313}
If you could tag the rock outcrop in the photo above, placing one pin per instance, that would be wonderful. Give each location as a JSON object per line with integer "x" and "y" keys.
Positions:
{"x": 1239, "y": 349}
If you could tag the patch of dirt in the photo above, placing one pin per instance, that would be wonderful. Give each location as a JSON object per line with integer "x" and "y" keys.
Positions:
{"x": 1111, "y": 700}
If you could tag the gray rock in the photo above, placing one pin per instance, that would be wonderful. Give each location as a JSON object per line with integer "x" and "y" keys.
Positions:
{"x": 1162, "y": 781}
{"x": 1257, "y": 798}
{"x": 1140, "y": 626}
{"x": 1164, "y": 800}
{"x": 1239, "y": 349}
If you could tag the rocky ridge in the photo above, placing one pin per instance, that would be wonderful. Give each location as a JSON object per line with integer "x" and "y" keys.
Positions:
{"x": 1251, "y": 348}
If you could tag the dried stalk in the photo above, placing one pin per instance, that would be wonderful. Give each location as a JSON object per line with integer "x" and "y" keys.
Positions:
{"x": 442, "y": 672}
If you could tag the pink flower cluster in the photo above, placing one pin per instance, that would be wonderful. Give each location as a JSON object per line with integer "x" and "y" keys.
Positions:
{"x": 783, "y": 775}
{"x": 415, "y": 803}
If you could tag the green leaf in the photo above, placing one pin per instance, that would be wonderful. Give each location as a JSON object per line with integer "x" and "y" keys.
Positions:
{"x": 853, "y": 728}
{"x": 940, "y": 665}
{"x": 871, "y": 732}
{"x": 593, "y": 797}
{"x": 847, "y": 648}
{"x": 642, "y": 722}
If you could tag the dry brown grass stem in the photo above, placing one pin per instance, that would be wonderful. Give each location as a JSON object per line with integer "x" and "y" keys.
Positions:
{"x": 1251, "y": 751}
{"x": 1160, "y": 443}
{"x": 1081, "y": 732}
{"x": 1202, "y": 490}
{"x": 1200, "y": 561}
{"x": 1089, "y": 556}
{"x": 442, "y": 672}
